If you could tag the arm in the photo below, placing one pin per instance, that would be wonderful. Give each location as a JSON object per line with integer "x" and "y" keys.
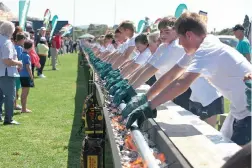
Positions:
{"x": 11, "y": 62}
{"x": 28, "y": 68}
{"x": 248, "y": 56}
{"x": 125, "y": 64}
{"x": 130, "y": 69}
{"x": 137, "y": 73}
{"x": 164, "y": 81}
{"x": 124, "y": 57}
{"x": 173, "y": 90}
{"x": 147, "y": 74}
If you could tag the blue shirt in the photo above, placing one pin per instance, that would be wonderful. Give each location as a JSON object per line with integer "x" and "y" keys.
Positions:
{"x": 243, "y": 46}
{"x": 19, "y": 50}
{"x": 26, "y": 60}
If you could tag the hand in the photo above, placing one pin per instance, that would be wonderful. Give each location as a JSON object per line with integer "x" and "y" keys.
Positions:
{"x": 124, "y": 94}
{"x": 141, "y": 112}
{"x": 248, "y": 76}
{"x": 19, "y": 64}
{"x": 135, "y": 102}
{"x": 32, "y": 77}
{"x": 38, "y": 66}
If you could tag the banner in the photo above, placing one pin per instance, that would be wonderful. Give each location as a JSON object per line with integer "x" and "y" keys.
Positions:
{"x": 66, "y": 29}
{"x": 47, "y": 18}
{"x": 203, "y": 16}
{"x": 180, "y": 9}
{"x": 54, "y": 24}
{"x": 23, "y": 11}
{"x": 140, "y": 26}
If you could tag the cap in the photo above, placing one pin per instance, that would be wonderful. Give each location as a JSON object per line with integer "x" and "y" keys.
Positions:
{"x": 42, "y": 28}
{"x": 238, "y": 27}
{"x": 42, "y": 39}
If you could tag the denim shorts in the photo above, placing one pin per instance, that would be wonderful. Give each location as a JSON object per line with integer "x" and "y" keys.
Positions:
{"x": 242, "y": 131}
{"x": 216, "y": 107}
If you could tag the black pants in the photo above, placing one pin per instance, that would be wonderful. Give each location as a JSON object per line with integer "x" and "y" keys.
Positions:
{"x": 183, "y": 99}
{"x": 33, "y": 67}
{"x": 151, "y": 81}
{"x": 42, "y": 63}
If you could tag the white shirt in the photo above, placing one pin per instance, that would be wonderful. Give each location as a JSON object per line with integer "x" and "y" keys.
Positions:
{"x": 123, "y": 47}
{"x": 142, "y": 58}
{"x": 102, "y": 49}
{"x": 203, "y": 92}
{"x": 166, "y": 57}
{"x": 110, "y": 48}
{"x": 225, "y": 68}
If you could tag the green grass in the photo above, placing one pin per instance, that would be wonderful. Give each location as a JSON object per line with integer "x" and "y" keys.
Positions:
{"x": 47, "y": 137}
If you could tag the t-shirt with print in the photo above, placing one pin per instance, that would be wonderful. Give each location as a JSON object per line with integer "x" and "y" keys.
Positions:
{"x": 243, "y": 46}
{"x": 19, "y": 50}
{"x": 142, "y": 58}
{"x": 166, "y": 57}
{"x": 26, "y": 61}
{"x": 225, "y": 68}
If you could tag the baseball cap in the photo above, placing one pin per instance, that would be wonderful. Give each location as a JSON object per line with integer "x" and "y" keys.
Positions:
{"x": 238, "y": 27}
{"x": 42, "y": 28}
{"x": 42, "y": 39}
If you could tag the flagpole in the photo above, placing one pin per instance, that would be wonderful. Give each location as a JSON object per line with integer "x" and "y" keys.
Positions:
{"x": 74, "y": 3}
{"x": 115, "y": 13}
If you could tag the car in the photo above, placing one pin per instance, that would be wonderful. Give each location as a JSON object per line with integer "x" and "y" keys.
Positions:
{"x": 229, "y": 40}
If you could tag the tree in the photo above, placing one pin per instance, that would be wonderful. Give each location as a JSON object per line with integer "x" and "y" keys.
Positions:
{"x": 226, "y": 31}
{"x": 246, "y": 24}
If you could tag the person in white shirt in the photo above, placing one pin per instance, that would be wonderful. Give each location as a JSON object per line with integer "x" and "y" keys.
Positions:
{"x": 206, "y": 105}
{"x": 154, "y": 42}
{"x": 120, "y": 40}
{"x": 221, "y": 65}
{"x": 109, "y": 48}
{"x": 126, "y": 28}
{"x": 144, "y": 54}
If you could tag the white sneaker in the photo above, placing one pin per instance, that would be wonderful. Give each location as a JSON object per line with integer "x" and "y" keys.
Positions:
{"x": 42, "y": 76}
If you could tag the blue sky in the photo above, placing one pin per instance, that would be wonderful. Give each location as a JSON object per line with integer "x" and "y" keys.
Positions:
{"x": 221, "y": 13}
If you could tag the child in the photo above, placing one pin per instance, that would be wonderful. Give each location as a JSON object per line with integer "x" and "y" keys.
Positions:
{"x": 20, "y": 38}
{"x": 26, "y": 77}
{"x": 43, "y": 53}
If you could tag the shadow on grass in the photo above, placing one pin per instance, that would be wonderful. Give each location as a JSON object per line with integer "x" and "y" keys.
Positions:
{"x": 75, "y": 141}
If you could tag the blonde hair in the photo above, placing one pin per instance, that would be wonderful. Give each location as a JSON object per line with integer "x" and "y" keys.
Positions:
{"x": 153, "y": 37}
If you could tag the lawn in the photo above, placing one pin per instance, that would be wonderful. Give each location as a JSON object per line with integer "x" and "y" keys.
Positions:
{"x": 48, "y": 138}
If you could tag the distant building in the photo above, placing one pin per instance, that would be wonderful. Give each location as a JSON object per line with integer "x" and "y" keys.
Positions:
{"x": 37, "y": 24}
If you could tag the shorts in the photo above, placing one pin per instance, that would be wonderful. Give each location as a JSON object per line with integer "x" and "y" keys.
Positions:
{"x": 26, "y": 82}
{"x": 183, "y": 99}
{"x": 216, "y": 107}
{"x": 242, "y": 131}
{"x": 18, "y": 83}
{"x": 151, "y": 81}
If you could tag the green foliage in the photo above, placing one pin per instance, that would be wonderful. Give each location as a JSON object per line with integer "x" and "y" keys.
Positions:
{"x": 226, "y": 31}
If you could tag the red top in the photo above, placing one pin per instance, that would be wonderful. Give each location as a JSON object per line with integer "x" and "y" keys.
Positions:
{"x": 56, "y": 42}
{"x": 34, "y": 57}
